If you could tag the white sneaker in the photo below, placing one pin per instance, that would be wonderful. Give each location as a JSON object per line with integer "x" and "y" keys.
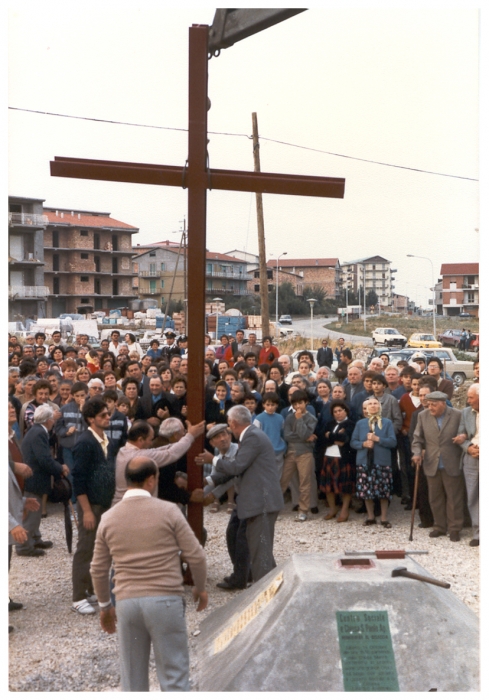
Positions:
{"x": 92, "y": 599}
{"x": 83, "y": 607}
{"x": 301, "y": 517}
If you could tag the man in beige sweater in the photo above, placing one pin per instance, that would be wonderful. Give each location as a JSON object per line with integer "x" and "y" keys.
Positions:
{"x": 142, "y": 537}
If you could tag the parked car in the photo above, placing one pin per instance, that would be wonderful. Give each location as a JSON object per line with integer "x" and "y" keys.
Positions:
{"x": 459, "y": 370}
{"x": 285, "y": 318}
{"x": 388, "y": 336}
{"x": 464, "y": 314}
{"x": 423, "y": 340}
{"x": 450, "y": 337}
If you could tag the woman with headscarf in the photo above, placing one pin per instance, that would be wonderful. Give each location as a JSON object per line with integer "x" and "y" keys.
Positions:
{"x": 373, "y": 439}
{"x": 338, "y": 472}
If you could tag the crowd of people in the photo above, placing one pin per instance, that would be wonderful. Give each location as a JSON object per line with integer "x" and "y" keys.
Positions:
{"x": 112, "y": 421}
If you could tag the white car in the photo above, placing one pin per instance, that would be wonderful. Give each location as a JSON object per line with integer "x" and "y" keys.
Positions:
{"x": 388, "y": 336}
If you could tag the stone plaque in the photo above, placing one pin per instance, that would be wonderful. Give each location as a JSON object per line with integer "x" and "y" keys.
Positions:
{"x": 367, "y": 656}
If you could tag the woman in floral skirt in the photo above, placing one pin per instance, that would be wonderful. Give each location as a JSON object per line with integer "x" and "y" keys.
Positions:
{"x": 373, "y": 438}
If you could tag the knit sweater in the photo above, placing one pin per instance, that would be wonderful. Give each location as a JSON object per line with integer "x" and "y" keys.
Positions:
{"x": 142, "y": 538}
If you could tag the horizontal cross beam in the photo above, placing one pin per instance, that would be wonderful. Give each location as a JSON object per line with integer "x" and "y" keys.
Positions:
{"x": 174, "y": 176}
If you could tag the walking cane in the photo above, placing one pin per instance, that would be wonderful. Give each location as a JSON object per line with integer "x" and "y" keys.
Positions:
{"x": 415, "y": 494}
{"x": 74, "y": 515}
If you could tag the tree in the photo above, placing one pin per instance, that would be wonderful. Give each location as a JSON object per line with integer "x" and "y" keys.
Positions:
{"x": 372, "y": 299}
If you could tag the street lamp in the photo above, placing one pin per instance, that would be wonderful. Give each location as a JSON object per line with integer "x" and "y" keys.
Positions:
{"x": 423, "y": 257}
{"x": 312, "y": 302}
{"x": 276, "y": 288}
{"x": 217, "y": 300}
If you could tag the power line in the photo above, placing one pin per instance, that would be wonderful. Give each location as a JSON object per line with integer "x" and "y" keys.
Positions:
{"x": 263, "y": 138}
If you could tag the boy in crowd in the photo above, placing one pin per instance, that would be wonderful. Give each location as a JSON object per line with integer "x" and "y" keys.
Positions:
{"x": 272, "y": 424}
{"x": 299, "y": 435}
{"x": 118, "y": 427}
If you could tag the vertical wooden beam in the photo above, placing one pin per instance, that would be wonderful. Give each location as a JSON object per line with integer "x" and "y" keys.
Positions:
{"x": 196, "y": 179}
{"x": 265, "y": 315}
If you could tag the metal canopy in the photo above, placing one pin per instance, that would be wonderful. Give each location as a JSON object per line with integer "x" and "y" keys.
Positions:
{"x": 230, "y": 26}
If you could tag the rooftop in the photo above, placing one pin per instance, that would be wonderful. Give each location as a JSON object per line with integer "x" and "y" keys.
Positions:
{"x": 304, "y": 262}
{"x": 90, "y": 219}
{"x": 459, "y": 269}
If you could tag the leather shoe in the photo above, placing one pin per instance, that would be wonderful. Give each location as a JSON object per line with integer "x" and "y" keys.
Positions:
{"x": 436, "y": 533}
{"x": 229, "y": 586}
{"x": 315, "y": 510}
{"x": 31, "y": 552}
{"x": 43, "y": 544}
{"x": 424, "y": 525}
{"x": 14, "y": 606}
{"x": 454, "y": 537}
{"x": 474, "y": 543}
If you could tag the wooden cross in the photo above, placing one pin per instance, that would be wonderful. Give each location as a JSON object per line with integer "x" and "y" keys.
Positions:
{"x": 198, "y": 178}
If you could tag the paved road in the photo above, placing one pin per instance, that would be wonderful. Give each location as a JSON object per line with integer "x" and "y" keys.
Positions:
{"x": 303, "y": 326}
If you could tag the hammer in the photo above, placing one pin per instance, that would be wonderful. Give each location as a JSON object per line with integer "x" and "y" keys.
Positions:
{"x": 402, "y": 571}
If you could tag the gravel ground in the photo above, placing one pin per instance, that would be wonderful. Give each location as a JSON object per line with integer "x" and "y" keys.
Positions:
{"x": 55, "y": 649}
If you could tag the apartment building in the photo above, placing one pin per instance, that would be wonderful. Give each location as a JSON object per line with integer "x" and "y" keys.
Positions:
{"x": 160, "y": 270}
{"x": 87, "y": 257}
{"x": 375, "y": 273}
{"x": 460, "y": 288}
{"x": 27, "y": 291}
{"x": 321, "y": 272}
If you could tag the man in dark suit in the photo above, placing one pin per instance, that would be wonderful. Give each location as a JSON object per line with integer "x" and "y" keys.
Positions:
{"x": 260, "y": 496}
{"x": 37, "y": 454}
{"x": 434, "y": 434}
{"x": 94, "y": 487}
{"x": 134, "y": 370}
{"x": 325, "y": 354}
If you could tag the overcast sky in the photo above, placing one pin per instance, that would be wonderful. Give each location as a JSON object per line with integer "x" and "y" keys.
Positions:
{"x": 394, "y": 86}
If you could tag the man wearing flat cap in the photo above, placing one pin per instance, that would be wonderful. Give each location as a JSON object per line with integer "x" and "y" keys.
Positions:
{"x": 433, "y": 447}
{"x": 219, "y": 437}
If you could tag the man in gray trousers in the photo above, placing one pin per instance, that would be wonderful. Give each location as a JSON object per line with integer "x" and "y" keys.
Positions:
{"x": 468, "y": 439}
{"x": 260, "y": 496}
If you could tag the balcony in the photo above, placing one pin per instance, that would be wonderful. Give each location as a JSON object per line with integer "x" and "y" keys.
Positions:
{"x": 229, "y": 275}
{"x": 34, "y": 220}
{"x": 21, "y": 292}
{"x": 30, "y": 262}
{"x": 149, "y": 273}
{"x": 234, "y": 292}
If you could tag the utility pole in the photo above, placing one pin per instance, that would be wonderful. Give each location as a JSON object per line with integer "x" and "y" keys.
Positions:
{"x": 265, "y": 315}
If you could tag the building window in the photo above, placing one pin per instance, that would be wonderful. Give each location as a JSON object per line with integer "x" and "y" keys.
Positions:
{"x": 152, "y": 286}
{"x": 84, "y": 278}
{"x": 115, "y": 265}
{"x": 84, "y": 256}
{"x": 96, "y": 241}
{"x": 257, "y": 287}
{"x": 471, "y": 298}
{"x": 84, "y": 301}
{"x": 162, "y": 284}
{"x": 163, "y": 267}
{"x": 152, "y": 255}
{"x": 83, "y": 232}
{"x": 55, "y": 285}
{"x": 55, "y": 239}
{"x": 152, "y": 268}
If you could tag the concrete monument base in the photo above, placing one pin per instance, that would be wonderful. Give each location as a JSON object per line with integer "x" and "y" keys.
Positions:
{"x": 317, "y": 624}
